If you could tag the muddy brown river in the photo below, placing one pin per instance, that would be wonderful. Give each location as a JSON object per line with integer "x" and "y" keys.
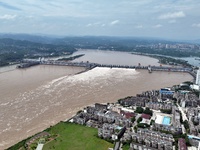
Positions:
{"x": 32, "y": 99}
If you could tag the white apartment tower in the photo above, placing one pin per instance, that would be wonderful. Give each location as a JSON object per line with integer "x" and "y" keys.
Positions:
{"x": 198, "y": 78}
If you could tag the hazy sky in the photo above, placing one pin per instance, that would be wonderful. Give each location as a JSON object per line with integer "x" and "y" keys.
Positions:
{"x": 171, "y": 19}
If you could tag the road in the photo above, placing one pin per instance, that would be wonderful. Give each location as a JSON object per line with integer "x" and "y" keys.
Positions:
{"x": 182, "y": 112}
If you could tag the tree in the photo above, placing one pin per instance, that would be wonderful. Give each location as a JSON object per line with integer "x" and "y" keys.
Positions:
{"x": 148, "y": 111}
{"x": 139, "y": 110}
{"x": 135, "y": 128}
{"x": 139, "y": 120}
{"x": 133, "y": 119}
{"x": 195, "y": 123}
{"x": 167, "y": 111}
{"x": 186, "y": 124}
{"x": 143, "y": 125}
{"x": 152, "y": 122}
{"x": 181, "y": 118}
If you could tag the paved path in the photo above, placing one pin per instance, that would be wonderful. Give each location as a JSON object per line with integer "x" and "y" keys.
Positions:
{"x": 40, "y": 146}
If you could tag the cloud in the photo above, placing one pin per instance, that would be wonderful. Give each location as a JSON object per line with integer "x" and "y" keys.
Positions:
{"x": 157, "y": 26}
{"x": 114, "y": 22}
{"x": 93, "y": 24}
{"x": 102, "y": 24}
{"x": 173, "y": 15}
{"x": 89, "y": 25}
{"x": 7, "y": 6}
{"x": 139, "y": 26}
{"x": 8, "y": 17}
{"x": 196, "y": 25}
{"x": 172, "y": 21}
{"x": 82, "y": 17}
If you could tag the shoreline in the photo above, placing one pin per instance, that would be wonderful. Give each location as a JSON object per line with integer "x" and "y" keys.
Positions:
{"x": 170, "y": 59}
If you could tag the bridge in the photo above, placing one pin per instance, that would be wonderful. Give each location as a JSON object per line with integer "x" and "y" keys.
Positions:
{"x": 89, "y": 65}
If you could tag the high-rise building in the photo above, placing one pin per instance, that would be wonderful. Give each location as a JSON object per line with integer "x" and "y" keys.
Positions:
{"x": 198, "y": 78}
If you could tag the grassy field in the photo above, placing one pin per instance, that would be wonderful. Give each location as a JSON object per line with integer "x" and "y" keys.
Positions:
{"x": 126, "y": 147}
{"x": 75, "y": 137}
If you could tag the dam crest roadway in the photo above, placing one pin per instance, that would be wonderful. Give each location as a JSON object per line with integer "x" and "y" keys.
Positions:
{"x": 88, "y": 65}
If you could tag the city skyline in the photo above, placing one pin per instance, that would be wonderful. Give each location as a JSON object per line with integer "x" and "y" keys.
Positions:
{"x": 172, "y": 19}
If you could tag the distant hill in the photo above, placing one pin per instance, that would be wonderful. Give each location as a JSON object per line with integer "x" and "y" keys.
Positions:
{"x": 87, "y": 40}
{"x": 28, "y": 37}
{"x": 106, "y": 42}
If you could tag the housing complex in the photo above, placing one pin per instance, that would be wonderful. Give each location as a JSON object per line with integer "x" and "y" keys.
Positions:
{"x": 164, "y": 119}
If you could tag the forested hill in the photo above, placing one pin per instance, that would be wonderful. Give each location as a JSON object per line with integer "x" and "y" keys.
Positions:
{"x": 13, "y": 51}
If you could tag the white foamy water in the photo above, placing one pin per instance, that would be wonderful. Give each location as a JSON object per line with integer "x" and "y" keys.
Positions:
{"x": 103, "y": 74}
{"x": 35, "y": 108}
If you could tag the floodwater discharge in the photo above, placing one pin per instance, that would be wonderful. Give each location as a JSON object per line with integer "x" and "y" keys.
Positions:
{"x": 32, "y": 99}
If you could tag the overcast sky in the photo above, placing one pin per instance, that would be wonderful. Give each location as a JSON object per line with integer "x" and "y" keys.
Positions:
{"x": 169, "y": 19}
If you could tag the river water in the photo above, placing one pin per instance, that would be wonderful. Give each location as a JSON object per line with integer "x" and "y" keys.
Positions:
{"x": 32, "y": 99}
{"x": 114, "y": 58}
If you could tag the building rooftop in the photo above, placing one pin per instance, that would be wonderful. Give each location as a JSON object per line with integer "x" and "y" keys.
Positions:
{"x": 182, "y": 144}
{"x": 146, "y": 116}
